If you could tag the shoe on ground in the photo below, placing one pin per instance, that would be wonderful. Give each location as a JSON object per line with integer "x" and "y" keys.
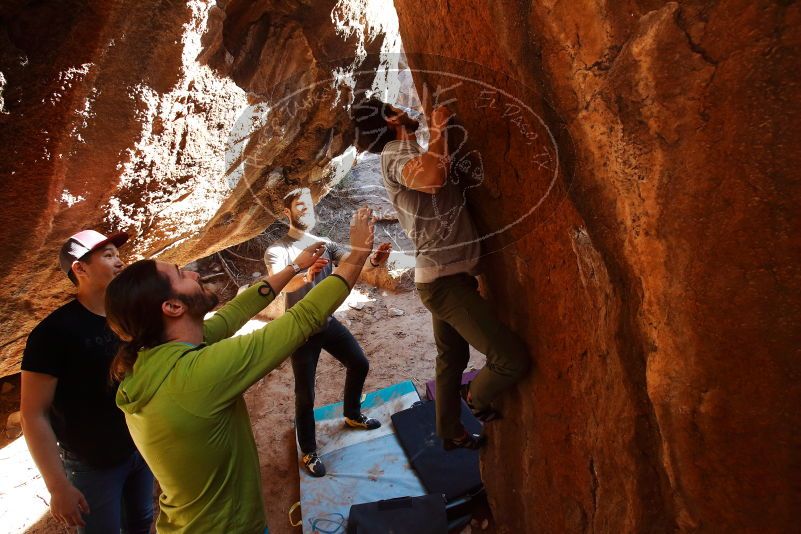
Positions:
{"x": 466, "y": 441}
{"x": 486, "y": 415}
{"x": 314, "y": 465}
{"x": 362, "y": 422}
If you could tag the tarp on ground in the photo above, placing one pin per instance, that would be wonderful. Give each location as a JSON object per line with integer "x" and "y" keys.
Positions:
{"x": 362, "y": 466}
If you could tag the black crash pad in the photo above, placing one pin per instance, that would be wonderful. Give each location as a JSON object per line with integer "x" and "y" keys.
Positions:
{"x": 404, "y": 515}
{"x": 455, "y": 473}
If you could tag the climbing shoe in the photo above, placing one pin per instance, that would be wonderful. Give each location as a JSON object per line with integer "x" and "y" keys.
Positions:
{"x": 486, "y": 415}
{"x": 362, "y": 422}
{"x": 314, "y": 464}
{"x": 466, "y": 441}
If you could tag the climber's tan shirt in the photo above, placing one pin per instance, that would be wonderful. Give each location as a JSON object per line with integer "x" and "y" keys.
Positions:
{"x": 439, "y": 225}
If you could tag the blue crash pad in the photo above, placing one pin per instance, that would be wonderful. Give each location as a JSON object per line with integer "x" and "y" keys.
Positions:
{"x": 362, "y": 466}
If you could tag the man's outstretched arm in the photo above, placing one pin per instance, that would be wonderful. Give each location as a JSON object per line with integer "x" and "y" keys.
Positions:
{"x": 311, "y": 255}
{"x": 231, "y": 317}
{"x": 276, "y": 259}
{"x": 224, "y": 370}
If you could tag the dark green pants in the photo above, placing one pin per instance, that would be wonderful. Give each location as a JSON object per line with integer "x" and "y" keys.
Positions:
{"x": 462, "y": 318}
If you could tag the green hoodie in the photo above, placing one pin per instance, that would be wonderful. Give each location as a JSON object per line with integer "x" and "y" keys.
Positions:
{"x": 184, "y": 407}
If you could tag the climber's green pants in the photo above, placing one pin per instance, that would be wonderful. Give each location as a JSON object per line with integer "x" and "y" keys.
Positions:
{"x": 462, "y": 318}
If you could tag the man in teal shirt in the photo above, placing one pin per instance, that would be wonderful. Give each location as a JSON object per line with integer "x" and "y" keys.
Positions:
{"x": 184, "y": 378}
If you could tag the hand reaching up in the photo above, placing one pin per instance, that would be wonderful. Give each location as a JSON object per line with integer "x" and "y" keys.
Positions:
{"x": 310, "y": 255}
{"x": 361, "y": 232}
{"x": 316, "y": 267}
{"x": 381, "y": 254}
{"x": 440, "y": 116}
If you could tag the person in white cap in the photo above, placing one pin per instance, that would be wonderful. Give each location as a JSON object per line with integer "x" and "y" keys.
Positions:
{"x": 77, "y": 436}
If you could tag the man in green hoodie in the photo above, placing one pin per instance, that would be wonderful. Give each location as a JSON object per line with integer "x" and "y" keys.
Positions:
{"x": 184, "y": 378}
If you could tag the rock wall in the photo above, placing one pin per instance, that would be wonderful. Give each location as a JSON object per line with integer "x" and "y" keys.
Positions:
{"x": 633, "y": 166}
{"x": 657, "y": 281}
{"x": 180, "y": 122}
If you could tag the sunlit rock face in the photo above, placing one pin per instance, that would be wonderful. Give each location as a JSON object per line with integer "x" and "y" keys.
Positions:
{"x": 657, "y": 282}
{"x": 180, "y": 122}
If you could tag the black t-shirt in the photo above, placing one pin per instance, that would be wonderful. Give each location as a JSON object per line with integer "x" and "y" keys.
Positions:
{"x": 76, "y": 346}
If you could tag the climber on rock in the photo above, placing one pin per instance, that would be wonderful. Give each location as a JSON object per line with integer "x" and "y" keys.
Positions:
{"x": 183, "y": 378}
{"x": 334, "y": 337}
{"x": 432, "y": 211}
{"x": 77, "y": 436}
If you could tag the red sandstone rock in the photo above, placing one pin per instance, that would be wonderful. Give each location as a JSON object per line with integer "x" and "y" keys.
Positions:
{"x": 658, "y": 285}
{"x": 126, "y": 115}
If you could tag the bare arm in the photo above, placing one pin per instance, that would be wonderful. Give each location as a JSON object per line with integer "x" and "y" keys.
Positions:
{"x": 373, "y": 261}
{"x": 297, "y": 281}
{"x": 286, "y": 279}
{"x": 66, "y": 502}
{"x": 301, "y": 280}
{"x": 428, "y": 173}
{"x": 276, "y": 261}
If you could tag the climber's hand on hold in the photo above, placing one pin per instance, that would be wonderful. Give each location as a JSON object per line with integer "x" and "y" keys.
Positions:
{"x": 440, "y": 116}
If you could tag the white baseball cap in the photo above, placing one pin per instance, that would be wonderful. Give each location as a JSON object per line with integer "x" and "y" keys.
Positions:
{"x": 84, "y": 242}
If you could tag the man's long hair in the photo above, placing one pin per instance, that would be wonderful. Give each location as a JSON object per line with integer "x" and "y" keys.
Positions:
{"x": 370, "y": 121}
{"x": 133, "y": 311}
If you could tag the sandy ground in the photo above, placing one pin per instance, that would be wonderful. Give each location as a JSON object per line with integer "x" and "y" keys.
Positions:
{"x": 398, "y": 347}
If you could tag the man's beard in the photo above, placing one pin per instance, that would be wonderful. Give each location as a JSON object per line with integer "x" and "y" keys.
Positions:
{"x": 200, "y": 303}
{"x": 305, "y": 222}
